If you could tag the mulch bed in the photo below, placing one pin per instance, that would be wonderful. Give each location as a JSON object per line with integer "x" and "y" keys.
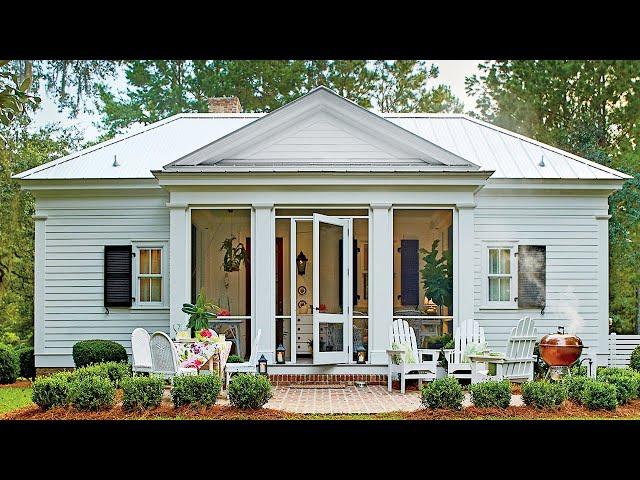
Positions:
{"x": 18, "y": 384}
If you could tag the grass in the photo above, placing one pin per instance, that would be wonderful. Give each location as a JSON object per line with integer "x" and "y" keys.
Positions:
{"x": 13, "y": 398}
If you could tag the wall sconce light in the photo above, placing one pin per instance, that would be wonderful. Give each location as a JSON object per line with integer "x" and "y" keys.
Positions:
{"x": 301, "y": 263}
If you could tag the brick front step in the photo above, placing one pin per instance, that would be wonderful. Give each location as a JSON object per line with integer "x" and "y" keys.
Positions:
{"x": 318, "y": 378}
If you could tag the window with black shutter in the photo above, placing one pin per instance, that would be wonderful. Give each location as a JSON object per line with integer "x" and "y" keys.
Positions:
{"x": 532, "y": 276}
{"x": 117, "y": 275}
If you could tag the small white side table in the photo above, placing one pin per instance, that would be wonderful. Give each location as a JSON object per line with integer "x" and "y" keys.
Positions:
{"x": 480, "y": 367}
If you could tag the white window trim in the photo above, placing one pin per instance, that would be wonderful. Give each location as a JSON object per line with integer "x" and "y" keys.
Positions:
{"x": 485, "y": 304}
{"x": 135, "y": 271}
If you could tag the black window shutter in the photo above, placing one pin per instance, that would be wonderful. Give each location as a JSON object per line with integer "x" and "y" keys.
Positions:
{"x": 409, "y": 281}
{"x": 532, "y": 276}
{"x": 117, "y": 275}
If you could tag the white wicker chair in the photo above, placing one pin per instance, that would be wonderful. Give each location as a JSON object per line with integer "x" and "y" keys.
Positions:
{"x": 164, "y": 357}
{"x": 245, "y": 367}
{"x": 141, "y": 350}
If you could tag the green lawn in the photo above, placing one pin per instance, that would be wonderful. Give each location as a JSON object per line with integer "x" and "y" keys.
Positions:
{"x": 12, "y": 398}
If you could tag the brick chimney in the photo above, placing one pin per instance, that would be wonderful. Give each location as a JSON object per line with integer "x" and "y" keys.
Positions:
{"x": 224, "y": 105}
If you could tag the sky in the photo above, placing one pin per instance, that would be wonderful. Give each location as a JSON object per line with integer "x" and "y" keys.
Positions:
{"x": 452, "y": 72}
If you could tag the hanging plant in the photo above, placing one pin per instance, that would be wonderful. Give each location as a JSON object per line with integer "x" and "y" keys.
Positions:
{"x": 233, "y": 256}
{"x": 437, "y": 275}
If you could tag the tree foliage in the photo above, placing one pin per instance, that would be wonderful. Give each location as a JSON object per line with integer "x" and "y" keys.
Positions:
{"x": 589, "y": 108}
{"x": 14, "y": 94}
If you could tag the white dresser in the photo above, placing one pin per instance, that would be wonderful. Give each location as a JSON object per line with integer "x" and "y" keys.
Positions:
{"x": 304, "y": 333}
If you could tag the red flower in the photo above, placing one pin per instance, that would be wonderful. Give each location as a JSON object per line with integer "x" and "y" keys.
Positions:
{"x": 224, "y": 313}
{"x": 205, "y": 332}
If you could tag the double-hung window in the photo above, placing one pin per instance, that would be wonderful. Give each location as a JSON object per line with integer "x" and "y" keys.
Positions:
{"x": 500, "y": 275}
{"x": 150, "y": 275}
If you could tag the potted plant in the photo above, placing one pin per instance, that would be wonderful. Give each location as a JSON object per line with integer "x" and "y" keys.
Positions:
{"x": 200, "y": 313}
{"x": 233, "y": 255}
{"x": 437, "y": 276}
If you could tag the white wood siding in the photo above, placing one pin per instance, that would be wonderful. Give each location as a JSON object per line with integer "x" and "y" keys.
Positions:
{"x": 77, "y": 229}
{"x": 568, "y": 227}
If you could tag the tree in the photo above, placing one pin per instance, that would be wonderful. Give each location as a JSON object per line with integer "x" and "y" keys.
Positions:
{"x": 22, "y": 152}
{"x": 14, "y": 96}
{"x": 589, "y": 108}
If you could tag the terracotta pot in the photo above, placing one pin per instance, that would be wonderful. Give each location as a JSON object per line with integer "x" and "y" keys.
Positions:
{"x": 560, "y": 349}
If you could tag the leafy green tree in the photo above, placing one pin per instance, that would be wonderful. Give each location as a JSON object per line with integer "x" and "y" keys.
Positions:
{"x": 14, "y": 94}
{"x": 589, "y": 108}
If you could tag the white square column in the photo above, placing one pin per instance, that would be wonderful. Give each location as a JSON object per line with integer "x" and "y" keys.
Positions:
{"x": 39, "y": 277}
{"x": 465, "y": 271}
{"x": 179, "y": 264}
{"x": 263, "y": 262}
{"x": 380, "y": 281}
{"x": 602, "y": 351}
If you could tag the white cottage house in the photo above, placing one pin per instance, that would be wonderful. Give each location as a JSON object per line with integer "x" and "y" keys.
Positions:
{"x": 312, "y": 224}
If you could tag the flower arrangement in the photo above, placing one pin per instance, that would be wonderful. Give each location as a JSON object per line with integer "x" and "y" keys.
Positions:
{"x": 205, "y": 335}
{"x": 200, "y": 313}
{"x": 224, "y": 312}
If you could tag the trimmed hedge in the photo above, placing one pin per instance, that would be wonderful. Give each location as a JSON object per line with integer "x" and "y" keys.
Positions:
{"x": 91, "y": 393}
{"x": 599, "y": 395}
{"x": 635, "y": 359}
{"x": 9, "y": 364}
{"x": 199, "y": 390}
{"x": 575, "y": 386}
{"x": 51, "y": 391}
{"x": 491, "y": 394}
{"x": 249, "y": 391}
{"x": 544, "y": 394}
{"x": 115, "y": 372}
{"x": 27, "y": 361}
{"x": 140, "y": 393}
{"x": 88, "y": 352}
{"x": 442, "y": 393}
{"x": 626, "y": 387}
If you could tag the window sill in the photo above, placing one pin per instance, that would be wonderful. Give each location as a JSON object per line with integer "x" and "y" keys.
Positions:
{"x": 148, "y": 307}
{"x": 498, "y": 307}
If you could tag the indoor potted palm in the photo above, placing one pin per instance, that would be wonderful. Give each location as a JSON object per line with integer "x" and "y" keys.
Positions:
{"x": 200, "y": 313}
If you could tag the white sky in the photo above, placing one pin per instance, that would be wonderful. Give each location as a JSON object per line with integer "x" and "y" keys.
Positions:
{"x": 452, "y": 72}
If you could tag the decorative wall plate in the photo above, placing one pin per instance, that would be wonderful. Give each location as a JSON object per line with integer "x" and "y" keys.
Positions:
{"x": 301, "y": 303}
{"x": 302, "y": 290}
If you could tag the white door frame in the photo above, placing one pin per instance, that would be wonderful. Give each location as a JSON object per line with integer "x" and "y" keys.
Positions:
{"x": 320, "y": 358}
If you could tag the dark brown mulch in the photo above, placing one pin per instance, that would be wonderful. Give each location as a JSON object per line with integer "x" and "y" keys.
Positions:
{"x": 18, "y": 384}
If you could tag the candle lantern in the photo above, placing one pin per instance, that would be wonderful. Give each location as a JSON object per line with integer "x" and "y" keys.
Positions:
{"x": 301, "y": 263}
{"x": 262, "y": 365}
{"x": 280, "y": 351}
{"x": 361, "y": 354}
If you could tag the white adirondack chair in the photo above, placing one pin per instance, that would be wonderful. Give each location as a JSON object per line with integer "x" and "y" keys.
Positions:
{"x": 245, "y": 367}
{"x": 164, "y": 357}
{"x": 518, "y": 362}
{"x": 141, "y": 350}
{"x": 467, "y": 332}
{"x": 401, "y": 333}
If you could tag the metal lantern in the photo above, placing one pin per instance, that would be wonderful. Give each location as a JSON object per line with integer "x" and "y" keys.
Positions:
{"x": 262, "y": 365}
{"x": 361, "y": 353}
{"x": 301, "y": 263}
{"x": 280, "y": 354}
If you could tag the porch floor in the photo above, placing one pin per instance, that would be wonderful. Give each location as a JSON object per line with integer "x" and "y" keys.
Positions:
{"x": 350, "y": 399}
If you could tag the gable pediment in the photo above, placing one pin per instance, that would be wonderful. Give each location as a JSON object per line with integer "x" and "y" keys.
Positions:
{"x": 321, "y": 128}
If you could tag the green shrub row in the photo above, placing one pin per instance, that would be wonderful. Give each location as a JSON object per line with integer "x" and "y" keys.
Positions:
{"x": 141, "y": 393}
{"x": 248, "y": 391}
{"x": 491, "y": 394}
{"x": 9, "y": 364}
{"x": 544, "y": 394}
{"x": 442, "y": 393}
{"x": 196, "y": 390}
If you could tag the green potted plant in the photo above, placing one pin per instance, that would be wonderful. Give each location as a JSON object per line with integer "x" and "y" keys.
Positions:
{"x": 233, "y": 255}
{"x": 200, "y": 313}
{"x": 437, "y": 276}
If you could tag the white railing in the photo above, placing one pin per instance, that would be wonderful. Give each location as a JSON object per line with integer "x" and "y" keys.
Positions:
{"x": 620, "y": 349}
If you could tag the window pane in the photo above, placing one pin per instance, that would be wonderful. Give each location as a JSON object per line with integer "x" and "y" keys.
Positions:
{"x": 331, "y": 337}
{"x": 494, "y": 289}
{"x": 329, "y": 289}
{"x": 144, "y": 261}
{"x": 144, "y": 290}
{"x": 493, "y": 260}
{"x": 156, "y": 258}
{"x": 505, "y": 289}
{"x": 156, "y": 289}
{"x": 505, "y": 263}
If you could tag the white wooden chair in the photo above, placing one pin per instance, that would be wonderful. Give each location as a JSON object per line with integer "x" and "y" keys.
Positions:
{"x": 141, "y": 351}
{"x": 245, "y": 367}
{"x": 164, "y": 357}
{"x": 401, "y": 333}
{"x": 467, "y": 332}
{"x": 518, "y": 362}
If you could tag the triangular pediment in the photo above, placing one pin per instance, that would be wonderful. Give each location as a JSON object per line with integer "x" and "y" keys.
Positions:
{"x": 321, "y": 128}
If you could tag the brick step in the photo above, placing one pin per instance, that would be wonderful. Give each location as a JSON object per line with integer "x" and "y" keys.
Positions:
{"x": 326, "y": 378}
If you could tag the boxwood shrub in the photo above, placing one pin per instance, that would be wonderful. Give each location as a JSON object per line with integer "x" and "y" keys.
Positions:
{"x": 249, "y": 391}
{"x": 51, "y": 391}
{"x": 544, "y": 394}
{"x": 27, "y": 361}
{"x": 91, "y": 392}
{"x": 626, "y": 387}
{"x": 197, "y": 390}
{"x": 235, "y": 359}
{"x": 635, "y": 359}
{"x": 491, "y": 394}
{"x": 87, "y": 352}
{"x": 140, "y": 393}
{"x": 442, "y": 393}
{"x": 598, "y": 395}
{"x": 115, "y": 372}
{"x": 575, "y": 385}
{"x": 9, "y": 364}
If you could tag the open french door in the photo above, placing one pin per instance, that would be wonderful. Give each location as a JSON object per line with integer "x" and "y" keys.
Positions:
{"x": 331, "y": 289}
